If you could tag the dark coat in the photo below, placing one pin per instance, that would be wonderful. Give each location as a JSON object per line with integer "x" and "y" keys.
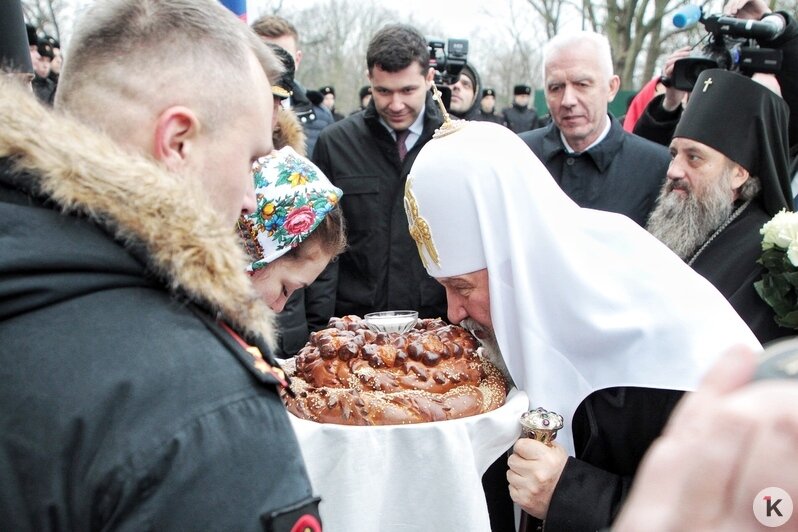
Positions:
{"x": 125, "y": 403}
{"x": 314, "y": 118}
{"x": 656, "y": 123}
{"x": 729, "y": 263}
{"x": 623, "y": 173}
{"x": 520, "y": 119}
{"x": 381, "y": 268}
{"x": 44, "y": 89}
{"x": 482, "y": 116}
{"x": 787, "y": 77}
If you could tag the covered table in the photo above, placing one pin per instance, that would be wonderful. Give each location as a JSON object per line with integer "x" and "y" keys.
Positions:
{"x": 417, "y": 477}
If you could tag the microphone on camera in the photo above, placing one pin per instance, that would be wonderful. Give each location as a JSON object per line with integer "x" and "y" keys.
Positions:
{"x": 767, "y": 29}
{"x": 687, "y": 16}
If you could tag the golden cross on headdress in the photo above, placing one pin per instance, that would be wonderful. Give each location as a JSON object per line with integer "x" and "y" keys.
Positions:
{"x": 419, "y": 228}
{"x": 449, "y": 125}
{"x": 707, "y": 83}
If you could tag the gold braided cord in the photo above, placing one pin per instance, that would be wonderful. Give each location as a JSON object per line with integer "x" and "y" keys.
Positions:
{"x": 419, "y": 228}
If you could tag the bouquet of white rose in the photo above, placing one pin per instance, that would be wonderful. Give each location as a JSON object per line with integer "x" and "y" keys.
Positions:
{"x": 779, "y": 283}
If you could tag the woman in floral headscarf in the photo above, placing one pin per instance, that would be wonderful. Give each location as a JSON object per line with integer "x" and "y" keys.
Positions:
{"x": 297, "y": 228}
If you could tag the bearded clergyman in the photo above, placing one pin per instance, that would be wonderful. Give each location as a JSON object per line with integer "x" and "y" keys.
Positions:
{"x": 728, "y": 176}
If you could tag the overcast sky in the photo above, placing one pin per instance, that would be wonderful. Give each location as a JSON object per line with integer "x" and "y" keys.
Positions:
{"x": 455, "y": 18}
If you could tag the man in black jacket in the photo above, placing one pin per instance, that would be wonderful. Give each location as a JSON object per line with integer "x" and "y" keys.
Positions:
{"x": 520, "y": 117}
{"x": 368, "y": 155}
{"x": 487, "y": 108}
{"x": 465, "y": 91}
{"x": 138, "y": 391}
{"x": 586, "y": 150}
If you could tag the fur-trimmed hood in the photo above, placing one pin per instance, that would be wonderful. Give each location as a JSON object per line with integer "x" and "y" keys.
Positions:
{"x": 138, "y": 202}
{"x": 289, "y": 132}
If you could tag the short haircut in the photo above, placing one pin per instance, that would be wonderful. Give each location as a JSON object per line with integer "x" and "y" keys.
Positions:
{"x": 395, "y": 47}
{"x": 273, "y": 27}
{"x": 130, "y": 57}
{"x": 598, "y": 45}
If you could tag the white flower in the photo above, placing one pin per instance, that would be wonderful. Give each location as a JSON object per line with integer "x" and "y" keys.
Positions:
{"x": 782, "y": 231}
{"x": 792, "y": 253}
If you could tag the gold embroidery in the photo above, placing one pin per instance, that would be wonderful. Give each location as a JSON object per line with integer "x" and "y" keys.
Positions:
{"x": 419, "y": 228}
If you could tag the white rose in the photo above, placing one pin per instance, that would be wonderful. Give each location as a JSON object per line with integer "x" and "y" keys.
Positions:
{"x": 781, "y": 230}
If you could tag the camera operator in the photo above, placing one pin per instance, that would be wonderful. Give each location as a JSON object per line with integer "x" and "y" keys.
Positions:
{"x": 662, "y": 114}
{"x": 464, "y": 103}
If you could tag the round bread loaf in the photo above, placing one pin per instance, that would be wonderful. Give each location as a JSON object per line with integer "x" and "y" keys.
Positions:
{"x": 348, "y": 374}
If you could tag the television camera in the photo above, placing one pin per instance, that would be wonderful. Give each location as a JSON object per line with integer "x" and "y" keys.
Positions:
{"x": 733, "y": 44}
{"x": 448, "y": 60}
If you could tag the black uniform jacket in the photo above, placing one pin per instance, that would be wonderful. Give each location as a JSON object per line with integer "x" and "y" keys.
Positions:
{"x": 520, "y": 119}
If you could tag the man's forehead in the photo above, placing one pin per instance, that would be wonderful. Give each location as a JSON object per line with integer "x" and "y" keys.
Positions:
{"x": 472, "y": 278}
{"x": 412, "y": 74}
{"x": 685, "y": 144}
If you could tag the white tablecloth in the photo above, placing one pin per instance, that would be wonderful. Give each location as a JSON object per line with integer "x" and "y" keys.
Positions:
{"x": 419, "y": 477}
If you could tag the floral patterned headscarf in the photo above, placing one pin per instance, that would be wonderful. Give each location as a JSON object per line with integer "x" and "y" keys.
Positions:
{"x": 293, "y": 198}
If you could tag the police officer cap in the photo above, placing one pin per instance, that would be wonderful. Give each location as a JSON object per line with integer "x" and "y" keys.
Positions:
{"x": 522, "y": 89}
{"x": 52, "y": 41}
{"x": 327, "y": 89}
{"x": 488, "y": 92}
{"x": 45, "y": 49}
{"x": 365, "y": 91}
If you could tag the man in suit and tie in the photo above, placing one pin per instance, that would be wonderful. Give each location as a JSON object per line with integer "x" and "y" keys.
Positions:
{"x": 368, "y": 155}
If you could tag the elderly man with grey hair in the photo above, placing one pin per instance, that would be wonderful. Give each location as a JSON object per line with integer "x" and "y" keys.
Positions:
{"x": 586, "y": 150}
{"x": 138, "y": 391}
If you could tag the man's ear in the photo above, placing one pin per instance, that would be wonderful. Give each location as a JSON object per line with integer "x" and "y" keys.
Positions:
{"x": 176, "y": 130}
{"x": 615, "y": 85}
{"x": 739, "y": 176}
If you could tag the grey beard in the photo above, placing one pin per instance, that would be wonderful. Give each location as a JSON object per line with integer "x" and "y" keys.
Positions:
{"x": 684, "y": 224}
{"x": 490, "y": 347}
